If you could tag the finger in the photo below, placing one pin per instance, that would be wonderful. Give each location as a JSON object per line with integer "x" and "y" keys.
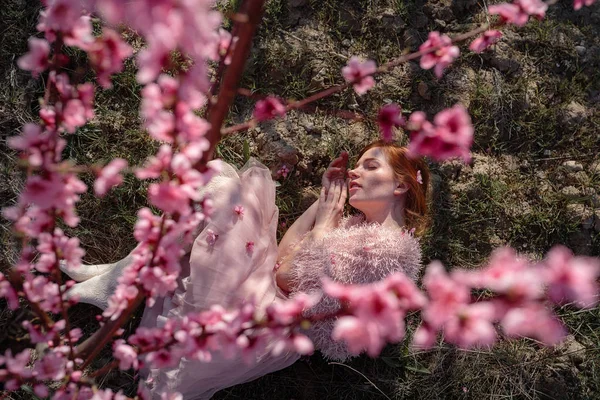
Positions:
{"x": 331, "y": 195}
{"x": 323, "y": 195}
{"x": 344, "y": 194}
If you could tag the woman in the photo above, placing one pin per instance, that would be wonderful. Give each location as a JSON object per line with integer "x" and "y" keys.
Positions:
{"x": 232, "y": 260}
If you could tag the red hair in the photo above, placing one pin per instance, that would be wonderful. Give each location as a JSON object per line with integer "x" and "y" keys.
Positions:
{"x": 416, "y": 210}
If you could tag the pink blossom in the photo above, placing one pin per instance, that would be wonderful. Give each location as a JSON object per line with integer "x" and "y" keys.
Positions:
{"x": 419, "y": 177}
{"x": 424, "y": 337}
{"x": 389, "y": 117}
{"x": 80, "y": 34}
{"x": 119, "y": 301}
{"x": 250, "y": 247}
{"x": 359, "y": 74}
{"x": 376, "y": 316}
{"x": 110, "y": 176}
{"x": 36, "y": 60}
{"x": 239, "y": 210}
{"x": 17, "y": 365}
{"x": 534, "y": 321}
{"x": 440, "y": 58}
{"x": 225, "y": 41}
{"x": 408, "y": 295}
{"x": 41, "y": 390}
{"x": 268, "y": 108}
{"x": 126, "y": 355}
{"x": 156, "y": 281}
{"x": 147, "y": 227}
{"x": 9, "y": 293}
{"x": 472, "y": 326}
{"x": 51, "y": 366}
{"x": 156, "y": 164}
{"x": 572, "y": 278}
{"x": 44, "y": 292}
{"x": 39, "y": 147}
{"x": 286, "y": 312}
{"x": 73, "y": 115}
{"x": 451, "y": 136}
{"x": 57, "y": 243}
{"x": 518, "y": 13}
{"x": 59, "y": 16}
{"x": 486, "y": 40}
{"x": 283, "y": 171}
{"x": 446, "y": 295}
{"x": 169, "y": 197}
{"x": 107, "y": 55}
{"x": 577, "y": 4}
{"x": 160, "y": 359}
{"x": 151, "y": 61}
{"x": 211, "y": 237}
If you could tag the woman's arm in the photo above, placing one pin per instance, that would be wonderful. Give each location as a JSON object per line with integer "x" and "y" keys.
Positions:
{"x": 328, "y": 213}
{"x": 298, "y": 229}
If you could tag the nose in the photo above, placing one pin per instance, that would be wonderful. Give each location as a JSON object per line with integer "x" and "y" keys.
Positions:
{"x": 352, "y": 174}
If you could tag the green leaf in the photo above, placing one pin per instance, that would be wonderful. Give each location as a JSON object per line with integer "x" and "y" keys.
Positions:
{"x": 420, "y": 370}
{"x": 393, "y": 362}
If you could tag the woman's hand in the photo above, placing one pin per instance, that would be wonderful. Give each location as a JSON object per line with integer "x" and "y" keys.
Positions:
{"x": 336, "y": 170}
{"x": 330, "y": 208}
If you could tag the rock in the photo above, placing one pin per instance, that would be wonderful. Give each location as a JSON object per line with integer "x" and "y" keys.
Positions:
{"x": 571, "y": 192}
{"x": 297, "y": 3}
{"x": 571, "y": 350}
{"x": 594, "y": 168}
{"x": 573, "y": 114}
{"x": 391, "y": 20}
{"x": 572, "y": 166}
{"x": 584, "y": 215}
{"x": 348, "y": 22}
{"x": 423, "y": 90}
{"x": 419, "y": 21}
{"x": 580, "y": 50}
{"x": 580, "y": 177}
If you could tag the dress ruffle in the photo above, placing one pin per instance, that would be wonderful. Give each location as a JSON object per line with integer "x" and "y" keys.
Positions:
{"x": 224, "y": 268}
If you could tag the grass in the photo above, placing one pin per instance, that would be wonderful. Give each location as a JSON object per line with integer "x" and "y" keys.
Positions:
{"x": 519, "y": 117}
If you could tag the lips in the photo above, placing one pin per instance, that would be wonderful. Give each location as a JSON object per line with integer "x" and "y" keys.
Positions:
{"x": 353, "y": 185}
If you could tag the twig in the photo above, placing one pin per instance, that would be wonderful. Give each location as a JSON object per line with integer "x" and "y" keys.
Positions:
{"x": 363, "y": 375}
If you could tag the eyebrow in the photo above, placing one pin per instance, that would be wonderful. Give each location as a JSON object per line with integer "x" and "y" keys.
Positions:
{"x": 369, "y": 159}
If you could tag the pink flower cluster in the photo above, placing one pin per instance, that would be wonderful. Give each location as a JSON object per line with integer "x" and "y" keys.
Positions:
{"x": 440, "y": 58}
{"x": 268, "y": 108}
{"x": 486, "y": 40}
{"x": 389, "y": 117}
{"x": 578, "y": 4}
{"x": 109, "y": 176}
{"x": 450, "y": 135}
{"x": 359, "y": 74}
{"x": 519, "y": 11}
{"x": 239, "y": 331}
{"x": 375, "y": 313}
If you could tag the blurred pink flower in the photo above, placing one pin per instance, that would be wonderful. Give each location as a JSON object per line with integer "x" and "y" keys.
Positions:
{"x": 389, "y": 117}
{"x": 440, "y": 58}
{"x": 446, "y": 296}
{"x": 577, "y": 4}
{"x": 472, "y": 326}
{"x": 49, "y": 245}
{"x": 534, "y": 321}
{"x": 36, "y": 60}
{"x": 486, "y": 40}
{"x": 268, "y": 108}
{"x": 451, "y": 135}
{"x": 359, "y": 72}
{"x": 106, "y": 55}
{"x": 211, "y": 237}
{"x": 51, "y": 366}
{"x": 126, "y": 355}
{"x": 110, "y": 176}
{"x": 572, "y": 278}
{"x": 239, "y": 210}
{"x": 283, "y": 171}
{"x": 518, "y": 13}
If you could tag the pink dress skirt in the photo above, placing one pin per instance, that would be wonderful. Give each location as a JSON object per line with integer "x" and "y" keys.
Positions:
{"x": 232, "y": 260}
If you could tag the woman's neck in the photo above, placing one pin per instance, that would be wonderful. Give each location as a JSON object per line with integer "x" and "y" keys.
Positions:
{"x": 389, "y": 218}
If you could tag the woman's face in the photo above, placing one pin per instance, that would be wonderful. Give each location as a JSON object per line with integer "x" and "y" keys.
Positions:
{"x": 373, "y": 183}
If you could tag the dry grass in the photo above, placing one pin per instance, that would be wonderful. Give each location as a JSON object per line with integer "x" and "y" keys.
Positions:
{"x": 511, "y": 194}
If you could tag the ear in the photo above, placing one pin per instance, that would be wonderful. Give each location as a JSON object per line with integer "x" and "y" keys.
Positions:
{"x": 401, "y": 189}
